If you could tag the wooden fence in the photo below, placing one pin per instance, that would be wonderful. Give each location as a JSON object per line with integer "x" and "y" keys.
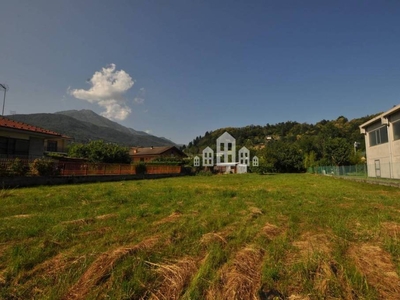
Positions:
{"x": 90, "y": 169}
{"x": 75, "y": 169}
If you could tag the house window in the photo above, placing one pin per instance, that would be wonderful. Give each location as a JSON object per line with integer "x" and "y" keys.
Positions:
{"x": 10, "y": 146}
{"x": 229, "y": 146}
{"x": 378, "y": 136}
{"x": 396, "y": 130}
{"x": 52, "y": 146}
{"x": 221, "y": 146}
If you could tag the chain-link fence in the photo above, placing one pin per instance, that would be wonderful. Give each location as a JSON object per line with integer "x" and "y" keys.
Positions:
{"x": 375, "y": 170}
{"x": 356, "y": 170}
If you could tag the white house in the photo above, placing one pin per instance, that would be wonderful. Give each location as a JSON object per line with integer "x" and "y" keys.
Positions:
{"x": 208, "y": 157}
{"x": 244, "y": 156}
{"x": 255, "y": 161}
{"x": 196, "y": 161}
{"x": 382, "y": 143}
{"x": 226, "y": 149}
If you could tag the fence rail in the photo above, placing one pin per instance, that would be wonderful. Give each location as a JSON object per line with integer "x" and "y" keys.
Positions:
{"x": 63, "y": 168}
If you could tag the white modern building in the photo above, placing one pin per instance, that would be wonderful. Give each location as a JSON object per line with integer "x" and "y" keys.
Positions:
{"x": 382, "y": 143}
{"x": 244, "y": 156}
{"x": 208, "y": 157}
{"x": 196, "y": 161}
{"x": 226, "y": 149}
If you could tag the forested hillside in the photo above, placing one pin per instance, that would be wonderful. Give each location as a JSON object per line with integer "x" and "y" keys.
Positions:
{"x": 292, "y": 146}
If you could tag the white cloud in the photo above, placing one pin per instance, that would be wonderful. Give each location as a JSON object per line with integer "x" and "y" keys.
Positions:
{"x": 148, "y": 131}
{"x": 107, "y": 89}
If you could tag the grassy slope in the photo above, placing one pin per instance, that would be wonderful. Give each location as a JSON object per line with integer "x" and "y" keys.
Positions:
{"x": 215, "y": 237}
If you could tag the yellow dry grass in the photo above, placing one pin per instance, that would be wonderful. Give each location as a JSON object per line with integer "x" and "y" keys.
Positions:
{"x": 174, "y": 277}
{"x": 377, "y": 266}
{"x": 102, "y": 266}
{"x": 242, "y": 279}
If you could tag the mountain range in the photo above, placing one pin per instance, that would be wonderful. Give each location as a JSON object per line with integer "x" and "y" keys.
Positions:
{"x": 85, "y": 125}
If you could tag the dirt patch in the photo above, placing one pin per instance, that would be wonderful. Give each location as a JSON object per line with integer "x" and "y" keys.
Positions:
{"x": 270, "y": 231}
{"x": 175, "y": 277}
{"x": 102, "y": 266}
{"x": 242, "y": 279}
{"x": 378, "y": 268}
{"x": 171, "y": 218}
{"x": 391, "y": 228}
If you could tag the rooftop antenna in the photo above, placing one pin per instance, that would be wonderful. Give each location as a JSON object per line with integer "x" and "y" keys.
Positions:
{"x": 5, "y": 88}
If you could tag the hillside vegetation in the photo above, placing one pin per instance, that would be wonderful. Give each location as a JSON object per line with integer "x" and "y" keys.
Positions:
{"x": 85, "y": 125}
{"x": 292, "y": 146}
{"x": 246, "y": 236}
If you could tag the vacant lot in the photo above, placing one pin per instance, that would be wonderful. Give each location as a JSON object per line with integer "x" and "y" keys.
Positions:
{"x": 220, "y": 237}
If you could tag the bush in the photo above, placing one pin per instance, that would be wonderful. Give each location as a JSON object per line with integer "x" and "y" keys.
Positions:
{"x": 18, "y": 168}
{"x": 141, "y": 168}
{"x": 43, "y": 167}
{"x": 204, "y": 173}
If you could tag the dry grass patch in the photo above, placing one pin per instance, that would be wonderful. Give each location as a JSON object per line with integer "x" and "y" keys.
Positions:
{"x": 311, "y": 242}
{"x": 242, "y": 279}
{"x": 271, "y": 231}
{"x": 106, "y": 217}
{"x": 211, "y": 237}
{"x": 175, "y": 277}
{"x": 376, "y": 265}
{"x": 102, "y": 266}
{"x": 391, "y": 228}
{"x": 171, "y": 218}
{"x": 79, "y": 222}
{"x": 255, "y": 211}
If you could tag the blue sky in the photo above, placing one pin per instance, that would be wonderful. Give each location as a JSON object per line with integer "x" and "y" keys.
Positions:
{"x": 181, "y": 68}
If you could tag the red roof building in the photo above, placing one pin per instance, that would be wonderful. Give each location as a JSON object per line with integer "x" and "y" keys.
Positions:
{"x": 143, "y": 154}
{"x": 22, "y": 140}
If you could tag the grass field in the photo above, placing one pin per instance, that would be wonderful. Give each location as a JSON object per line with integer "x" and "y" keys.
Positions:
{"x": 292, "y": 236}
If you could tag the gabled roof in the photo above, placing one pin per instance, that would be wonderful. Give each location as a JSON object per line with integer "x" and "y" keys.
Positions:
{"x": 138, "y": 151}
{"x": 226, "y": 137}
{"x": 15, "y": 125}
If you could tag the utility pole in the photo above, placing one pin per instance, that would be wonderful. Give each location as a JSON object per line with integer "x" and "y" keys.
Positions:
{"x": 5, "y": 88}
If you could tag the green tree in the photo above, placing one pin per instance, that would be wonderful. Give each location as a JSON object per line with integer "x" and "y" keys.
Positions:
{"x": 99, "y": 151}
{"x": 338, "y": 151}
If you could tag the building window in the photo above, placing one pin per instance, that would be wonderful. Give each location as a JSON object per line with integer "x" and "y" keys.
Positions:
{"x": 396, "y": 130}
{"x": 13, "y": 147}
{"x": 222, "y": 146}
{"x": 378, "y": 136}
{"x": 52, "y": 146}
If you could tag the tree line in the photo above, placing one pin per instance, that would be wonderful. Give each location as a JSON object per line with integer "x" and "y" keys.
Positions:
{"x": 294, "y": 147}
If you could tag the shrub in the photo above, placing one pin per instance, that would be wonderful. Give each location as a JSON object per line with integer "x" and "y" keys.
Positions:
{"x": 141, "y": 168}
{"x": 43, "y": 167}
{"x": 204, "y": 173}
{"x": 18, "y": 168}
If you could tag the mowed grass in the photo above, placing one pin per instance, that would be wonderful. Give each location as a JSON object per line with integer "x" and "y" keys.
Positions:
{"x": 291, "y": 236}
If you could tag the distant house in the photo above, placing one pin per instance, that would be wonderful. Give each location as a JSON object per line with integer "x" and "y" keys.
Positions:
{"x": 226, "y": 149}
{"x": 382, "y": 143}
{"x": 143, "y": 154}
{"x": 22, "y": 140}
{"x": 244, "y": 156}
{"x": 208, "y": 157}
